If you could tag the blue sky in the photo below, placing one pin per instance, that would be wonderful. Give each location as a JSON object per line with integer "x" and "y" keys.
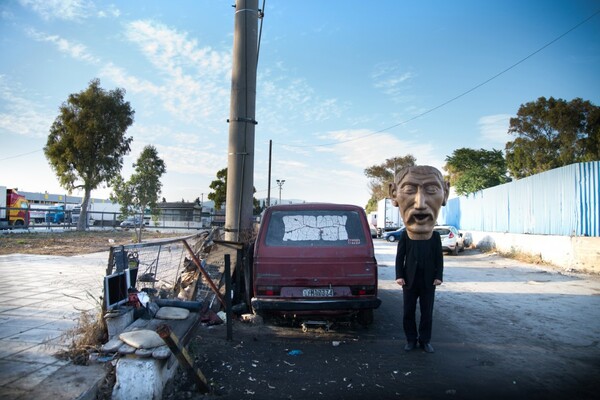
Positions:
{"x": 342, "y": 84}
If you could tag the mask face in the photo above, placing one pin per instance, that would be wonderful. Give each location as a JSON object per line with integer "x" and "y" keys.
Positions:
{"x": 420, "y": 195}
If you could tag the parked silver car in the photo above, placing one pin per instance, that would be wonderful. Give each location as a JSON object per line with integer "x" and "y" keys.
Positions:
{"x": 452, "y": 239}
{"x": 131, "y": 222}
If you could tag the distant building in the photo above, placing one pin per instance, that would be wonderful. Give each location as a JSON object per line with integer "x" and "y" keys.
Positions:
{"x": 185, "y": 211}
{"x": 49, "y": 198}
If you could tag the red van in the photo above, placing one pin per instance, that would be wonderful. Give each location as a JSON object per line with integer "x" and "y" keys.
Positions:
{"x": 315, "y": 260}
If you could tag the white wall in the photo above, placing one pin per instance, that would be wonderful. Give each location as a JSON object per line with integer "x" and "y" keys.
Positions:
{"x": 577, "y": 253}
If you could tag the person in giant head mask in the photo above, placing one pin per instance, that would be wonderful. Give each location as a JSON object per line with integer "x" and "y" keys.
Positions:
{"x": 419, "y": 192}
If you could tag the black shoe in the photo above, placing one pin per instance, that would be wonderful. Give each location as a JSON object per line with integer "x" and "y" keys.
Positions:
{"x": 410, "y": 346}
{"x": 427, "y": 347}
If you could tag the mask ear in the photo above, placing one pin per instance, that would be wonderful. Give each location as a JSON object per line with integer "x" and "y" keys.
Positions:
{"x": 446, "y": 192}
{"x": 392, "y": 188}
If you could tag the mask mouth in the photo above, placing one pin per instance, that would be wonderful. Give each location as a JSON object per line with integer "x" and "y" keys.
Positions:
{"x": 420, "y": 217}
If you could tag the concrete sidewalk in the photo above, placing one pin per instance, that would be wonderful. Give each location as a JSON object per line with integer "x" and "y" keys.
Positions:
{"x": 41, "y": 298}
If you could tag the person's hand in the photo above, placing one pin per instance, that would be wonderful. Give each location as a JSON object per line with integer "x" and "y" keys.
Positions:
{"x": 437, "y": 282}
{"x": 400, "y": 281}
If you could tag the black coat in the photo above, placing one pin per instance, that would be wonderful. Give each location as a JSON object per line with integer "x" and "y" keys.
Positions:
{"x": 411, "y": 253}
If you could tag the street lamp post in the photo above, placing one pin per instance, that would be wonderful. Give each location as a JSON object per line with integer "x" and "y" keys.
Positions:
{"x": 280, "y": 183}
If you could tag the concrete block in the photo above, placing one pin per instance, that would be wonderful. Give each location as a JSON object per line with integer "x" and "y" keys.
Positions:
{"x": 117, "y": 321}
{"x": 139, "y": 379}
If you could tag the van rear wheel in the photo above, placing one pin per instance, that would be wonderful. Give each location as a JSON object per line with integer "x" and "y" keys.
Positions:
{"x": 365, "y": 317}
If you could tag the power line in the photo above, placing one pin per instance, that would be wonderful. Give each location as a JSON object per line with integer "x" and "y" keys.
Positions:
{"x": 455, "y": 97}
{"x": 20, "y": 155}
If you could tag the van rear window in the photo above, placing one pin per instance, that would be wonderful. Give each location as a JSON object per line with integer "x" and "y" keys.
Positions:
{"x": 315, "y": 228}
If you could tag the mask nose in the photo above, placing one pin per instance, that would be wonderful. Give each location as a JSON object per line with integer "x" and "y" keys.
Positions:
{"x": 420, "y": 199}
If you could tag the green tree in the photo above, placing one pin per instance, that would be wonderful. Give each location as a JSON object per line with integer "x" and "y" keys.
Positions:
{"x": 381, "y": 175}
{"x": 87, "y": 141}
{"x": 219, "y": 187}
{"x": 143, "y": 188}
{"x": 552, "y": 133}
{"x": 371, "y": 205}
{"x": 472, "y": 170}
{"x": 219, "y": 195}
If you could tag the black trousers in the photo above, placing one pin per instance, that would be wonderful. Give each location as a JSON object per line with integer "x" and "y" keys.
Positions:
{"x": 425, "y": 295}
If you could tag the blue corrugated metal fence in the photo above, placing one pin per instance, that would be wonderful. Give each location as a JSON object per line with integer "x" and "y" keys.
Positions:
{"x": 563, "y": 201}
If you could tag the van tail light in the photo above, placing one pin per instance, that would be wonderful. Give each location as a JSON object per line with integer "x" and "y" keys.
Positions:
{"x": 268, "y": 290}
{"x": 450, "y": 235}
{"x": 366, "y": 290}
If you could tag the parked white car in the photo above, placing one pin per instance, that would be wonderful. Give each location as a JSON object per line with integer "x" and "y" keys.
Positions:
{"x": 452, "y": 239}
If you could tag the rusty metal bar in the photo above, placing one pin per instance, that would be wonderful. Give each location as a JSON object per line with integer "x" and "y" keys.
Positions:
{"x": 186, "y": 362}
{"x": 228, "y": 295}
{"x": 204, "y": 273}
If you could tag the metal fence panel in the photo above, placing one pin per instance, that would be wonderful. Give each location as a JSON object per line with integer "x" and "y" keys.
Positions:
{"x": 563, "y": 201}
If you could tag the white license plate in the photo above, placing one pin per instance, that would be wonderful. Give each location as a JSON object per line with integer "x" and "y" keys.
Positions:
{"x": 317, "y": 292}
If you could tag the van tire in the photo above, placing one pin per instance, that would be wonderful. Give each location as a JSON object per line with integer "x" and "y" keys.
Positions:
{"x": 365, "y": 317}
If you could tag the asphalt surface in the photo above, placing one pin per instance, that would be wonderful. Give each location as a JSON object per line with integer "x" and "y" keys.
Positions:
{"x": 502, "y": 329}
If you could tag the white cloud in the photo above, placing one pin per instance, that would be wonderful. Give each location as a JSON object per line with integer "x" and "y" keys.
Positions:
{"x": 60, "y": 9}
{"x": 75, "y": 50}
{"x": 362, "y": 148}
{"x": 283, "y": 103}
{"x": 494, "y": 128}
{"x": 129, "y": 82}
{"x": 69, "y": 10}
{"x": 192, "y": 160}
{"x": 197, "y": 80}
{"x": 19, "y": 115}
{"x": 392, "y": 81}
{"x": 111, "y": 11}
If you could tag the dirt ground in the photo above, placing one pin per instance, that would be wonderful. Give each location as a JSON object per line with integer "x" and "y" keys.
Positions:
{"x": 502, "y": 330}
{"x": 71, "y": 242}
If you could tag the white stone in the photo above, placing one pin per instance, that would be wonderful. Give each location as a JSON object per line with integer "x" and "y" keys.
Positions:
{"x": 172, "y": 313}
{"x": 142, "y": 339}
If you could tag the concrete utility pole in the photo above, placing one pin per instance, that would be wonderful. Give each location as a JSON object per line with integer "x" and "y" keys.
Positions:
{"x": 269, "y": 178}
{"x": 240, "y": 163}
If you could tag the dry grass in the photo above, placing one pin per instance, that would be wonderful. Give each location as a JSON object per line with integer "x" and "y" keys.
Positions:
{"x": 524, "y": 257}
{"x": 515, "y": 254}
{"x": 86, "y": 337}
{"x": 70, "y": 243}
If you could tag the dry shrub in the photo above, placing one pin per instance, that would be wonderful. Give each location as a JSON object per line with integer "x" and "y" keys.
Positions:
{"x": 522, "y": 256}
{"x": 87, "y": 336}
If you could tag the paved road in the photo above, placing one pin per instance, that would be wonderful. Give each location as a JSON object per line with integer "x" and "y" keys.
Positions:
{"x": 502, "y": 329}
{"x": 521, "y": 330}
{"x": 41, "y": 298}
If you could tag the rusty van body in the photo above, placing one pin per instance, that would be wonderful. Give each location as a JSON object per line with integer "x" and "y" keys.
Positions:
{"x": 315, "y": 260}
